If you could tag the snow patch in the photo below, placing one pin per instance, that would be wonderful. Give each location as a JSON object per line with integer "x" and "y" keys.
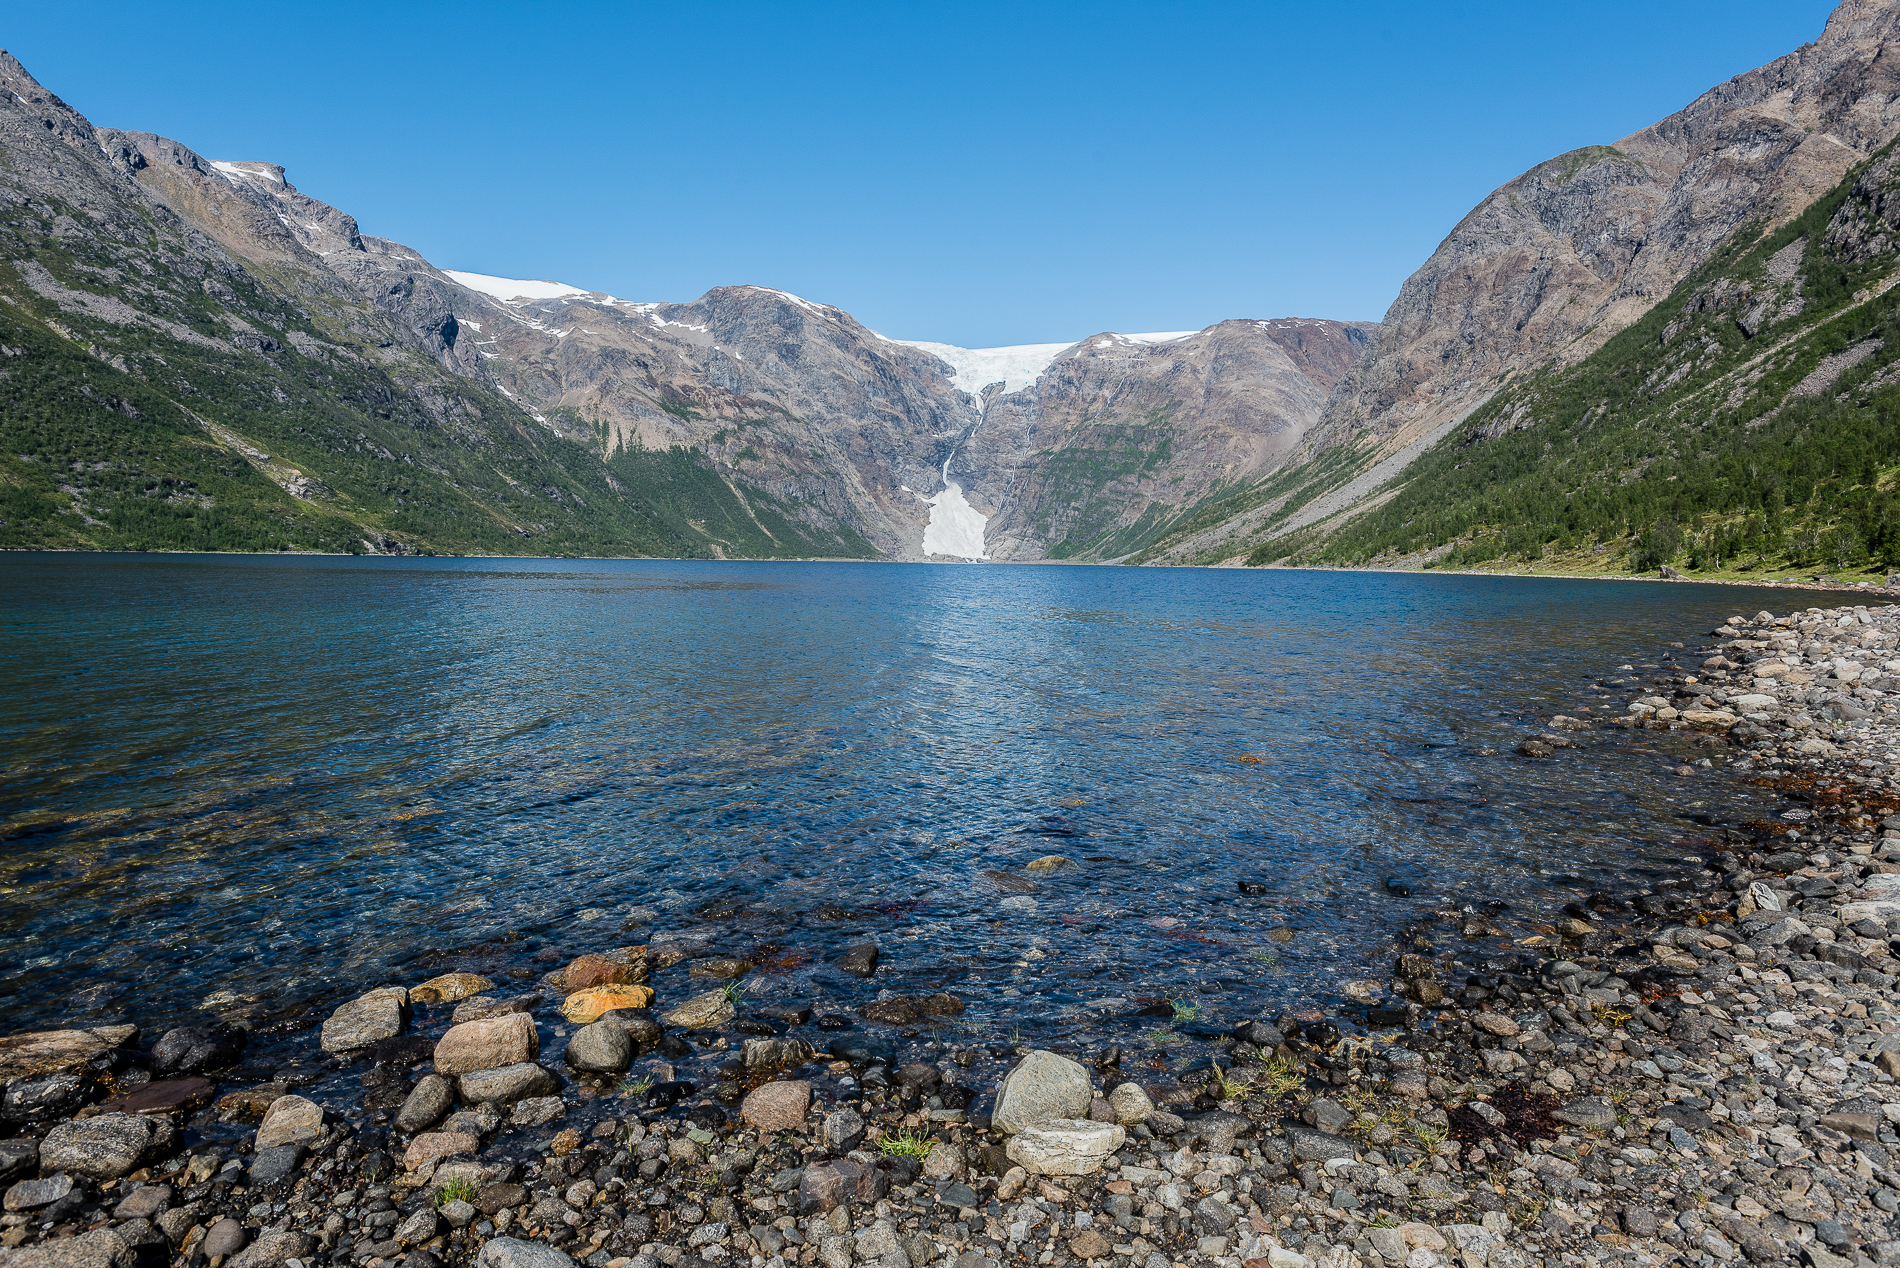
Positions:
{"x": 956, "y": 527}
{"x": 815, "y": 309}
{"x": 506, "y": 288}
{"x": 263, "y": 173}
{"x": 1163, "y": 336}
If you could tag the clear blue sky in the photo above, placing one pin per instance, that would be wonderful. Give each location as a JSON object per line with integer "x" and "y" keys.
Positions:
{"x": 977, "y": 173}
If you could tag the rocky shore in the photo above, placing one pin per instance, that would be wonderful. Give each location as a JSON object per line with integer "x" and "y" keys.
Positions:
{"x": 1696, "y": 1070}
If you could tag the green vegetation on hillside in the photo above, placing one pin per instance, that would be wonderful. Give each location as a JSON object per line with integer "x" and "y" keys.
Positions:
{"x": 1748, "y": 423}
{"x": 1088, "y": 481}
{"x": 132, "y": 418}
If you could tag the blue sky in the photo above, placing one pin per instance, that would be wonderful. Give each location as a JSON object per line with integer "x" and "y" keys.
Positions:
{"x": 978, "y": 174}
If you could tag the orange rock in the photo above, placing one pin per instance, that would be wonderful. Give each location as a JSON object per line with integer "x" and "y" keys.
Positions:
{"x": 594, "y": 970}
{"x": 586, "y": 1006}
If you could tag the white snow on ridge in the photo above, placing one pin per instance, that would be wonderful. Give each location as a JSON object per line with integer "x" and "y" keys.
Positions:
{"x": 506, "y": 288}
{"x": 816, "y": 310}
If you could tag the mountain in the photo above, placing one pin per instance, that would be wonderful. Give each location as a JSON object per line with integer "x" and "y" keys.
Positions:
{"x": 1548, "y": 269}
{"x": 1748, "y": 424}
{"x": 199, "y": 355}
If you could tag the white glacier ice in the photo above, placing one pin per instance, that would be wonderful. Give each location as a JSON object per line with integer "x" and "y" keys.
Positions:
{"x": 1018, "y": 366}
{"x": 956, "y": 527}
{"x": 976, "y": 368}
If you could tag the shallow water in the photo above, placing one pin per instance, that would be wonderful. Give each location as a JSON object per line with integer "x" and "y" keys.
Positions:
{"x": 269, "y": 783}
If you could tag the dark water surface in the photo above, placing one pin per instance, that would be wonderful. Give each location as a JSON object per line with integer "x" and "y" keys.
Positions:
{"x": 261, "y": 785}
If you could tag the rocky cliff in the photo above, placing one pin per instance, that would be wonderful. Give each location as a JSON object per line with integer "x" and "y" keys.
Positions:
{"x": 1557, "y": 261}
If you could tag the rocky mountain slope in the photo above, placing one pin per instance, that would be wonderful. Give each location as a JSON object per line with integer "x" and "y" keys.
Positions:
{"x": 200, "y": 355}
{"x": 1555, "y": 263}
{"x": 1749, "y": 422}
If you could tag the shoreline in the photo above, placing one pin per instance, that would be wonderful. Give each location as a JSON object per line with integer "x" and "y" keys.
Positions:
{"x": 1701, "y": 1071}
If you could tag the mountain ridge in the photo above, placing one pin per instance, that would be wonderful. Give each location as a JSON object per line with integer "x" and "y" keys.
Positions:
{"x": 785, "y": 420}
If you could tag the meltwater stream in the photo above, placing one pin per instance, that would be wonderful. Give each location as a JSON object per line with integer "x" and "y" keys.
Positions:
{"x": 261, "y": 785}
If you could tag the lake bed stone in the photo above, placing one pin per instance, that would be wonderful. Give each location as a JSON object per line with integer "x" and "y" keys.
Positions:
{"x": 489, "y": 1044}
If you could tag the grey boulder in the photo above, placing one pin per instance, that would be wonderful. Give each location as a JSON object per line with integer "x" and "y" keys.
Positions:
{"x": 1042, "y": 1087}
{"x": 273, "y": 1249}
{"x": 369, "y": 1019}
{"x": 105, "y": 1148}
{"x": 431, "y": 1098}
{"x": 508, "y": 1084}
{"x": 511, "y": 1252}
{"x": 600, "y": 1048}
{"x": 97, "y": 1249}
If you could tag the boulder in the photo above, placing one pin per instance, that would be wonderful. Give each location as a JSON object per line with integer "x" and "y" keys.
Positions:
{"x": 777, "y": 1106}
{"x": 432, "y": 1147}
{"x": 103, "y": 1148}
{"x": 1317, "y": 1146}
{"x": 273, "y": 1164}
{"x": 534, "y": 1111}
{"x": 511, "y": 1252}
{"x": 37, "y": 1053}
{"x": 860, "y": 960}
{"x": 31, "y": 1195}
{"x": 843, "y": 1131}
{"x": 586, "y": 1006}
{"x": 481, "y": 1007}
{"x": 776, "y": 1054}
{"x": 489, "y": 1044}
{"x": 1130, "y": 1104}
{"x": 824, "y": 1186}
{"x": 1065, "y": 1146}
{"x": 1042, "y": 1087}
{"x": 290, "y": 1120}
{"x": 508, "y": 1084}
{"x": 431, "y": 1098}
{"x": 162, "y": 1096}
{"x": 601, "y": 1048}
{"x": 449, "y": 988}
{"x": 368, "y": 1019}
{"x": 101, "y": 1248}
{"x": 640, "y": 1027}
{"x": 226, "y": 1237}
{"x": 710, "y": 1009}
{"x": 273, "y": 1249}
{"x": 192, "y": 1049}
{"x": 1592, "y": 1113}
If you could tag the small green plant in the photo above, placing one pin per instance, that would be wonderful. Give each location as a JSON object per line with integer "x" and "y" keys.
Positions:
{"x": 905, "y": 1142}
{"x": 1270, "y": 959}
{"x": 733, "y": 992}
{"x": 458, "y": 1189}
{"x": 1184, "y": 1011}
{"x": 636, "y": 1087}
{"x": 1226, "y": 1089}
{"x": 1281, "y": 1075}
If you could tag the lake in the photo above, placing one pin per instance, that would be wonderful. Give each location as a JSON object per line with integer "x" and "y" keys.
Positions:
{"x": 259, "y": 785}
